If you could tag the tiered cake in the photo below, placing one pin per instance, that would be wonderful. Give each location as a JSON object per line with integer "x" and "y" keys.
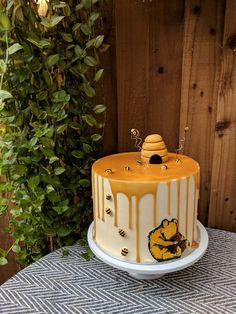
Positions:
{"x": 145, "y": 203}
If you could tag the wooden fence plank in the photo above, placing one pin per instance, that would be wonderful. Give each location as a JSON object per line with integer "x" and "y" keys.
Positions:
{"x": 132, "y": 52}
{"x": 201, "y": 63}
{"x": 165, "y": 64}
{"x": 107, "y": 92}
{"x": 149, "y": 53}
{"x": 222, "y": 213}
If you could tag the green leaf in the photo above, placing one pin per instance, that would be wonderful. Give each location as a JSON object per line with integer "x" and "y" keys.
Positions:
{"x": 59, "y": 170}
{"x": 54, "y": 197}
{"x": 87, "y": 255}
{"x": 65, "y": 253}
{"x": 60, "y": 129}
{"x": 14, "y": 48}
{"x": 84, "y": 183}
{"x": 90, "y": 43}
{"x": 3, "y": 66}
{"x": 16, "y": 248}
{"x": 61, "y": 207}
{"x": 99, "y": 108}
{"x": 74, "y": 125}
{"x": 5, "y": 94}
{"x": 52, "y": 21}
{"x": 96, "y": 137}
{"x": 52, "y": 60}
{"x": 90, "y": 61}
{"x": 94, "y": 16}
{"x": 67, "y": 37}
{"x": 89, "y": 119}
{"x": 49, "y": 189}
{"x": 89, "y": 91}
{"x": 87, "y": 148}
{"x": 98, "y": 75}
{"x": 63, "y": 231}
{"x": 5, "y": 22}
{"x": 33, "y": 182}
{"x": 85, "y": 29}
{"x": 79, "y": 51}
{"x": 53, "y": 159}
{"x": 3, "y": 261}
{"x": 98, "y": 41}
{"x": 77, "y": 154}
{"x": 48, "y": 78}
{"x": 44, "y": 43}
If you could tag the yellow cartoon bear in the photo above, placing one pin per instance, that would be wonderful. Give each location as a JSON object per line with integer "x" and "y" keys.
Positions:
{"x": 166, "y": 242}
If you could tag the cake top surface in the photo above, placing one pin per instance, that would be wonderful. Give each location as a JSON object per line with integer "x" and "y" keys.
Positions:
{"x": 129, "y": 167}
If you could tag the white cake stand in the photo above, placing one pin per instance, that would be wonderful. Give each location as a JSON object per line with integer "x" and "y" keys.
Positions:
{"x": 152, "y": 271}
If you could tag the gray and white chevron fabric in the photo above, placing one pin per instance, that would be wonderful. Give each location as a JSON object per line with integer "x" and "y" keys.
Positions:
{"x": 72, "y": 285}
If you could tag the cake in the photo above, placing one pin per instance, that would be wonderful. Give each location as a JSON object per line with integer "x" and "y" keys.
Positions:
{"x": 145, "y": 203}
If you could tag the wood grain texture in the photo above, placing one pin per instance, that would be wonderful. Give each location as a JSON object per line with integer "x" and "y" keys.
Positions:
{"x": 222, "y": 213}
{"x": 165, "y": 66}
{"x": 149, "y": 54}
{"x": 132, "y": 52}
{"x": 203, "y": 28}
{"x": 107, "y": 92}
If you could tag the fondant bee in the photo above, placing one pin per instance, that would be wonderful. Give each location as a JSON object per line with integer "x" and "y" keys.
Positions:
{"x": 124, "y": 251}
{"x": 108, "y": 211}
{"x": 127, "y": 168}
{"x": 108, "y": 170}
{"x": 108, "y": 197}
{"x": 122, "y": 232}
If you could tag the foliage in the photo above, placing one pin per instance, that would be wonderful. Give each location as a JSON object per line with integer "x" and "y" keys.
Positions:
{"x": 50, "y": 125}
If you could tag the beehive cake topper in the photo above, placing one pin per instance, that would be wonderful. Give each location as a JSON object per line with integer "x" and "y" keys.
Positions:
{"x": 154, "y": 150}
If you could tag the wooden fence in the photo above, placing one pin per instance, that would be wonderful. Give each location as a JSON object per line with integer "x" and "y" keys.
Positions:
{"x": 173, "y": 64}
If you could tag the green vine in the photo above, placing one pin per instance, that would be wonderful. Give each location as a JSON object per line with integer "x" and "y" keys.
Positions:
{"x": 50, "y": 124}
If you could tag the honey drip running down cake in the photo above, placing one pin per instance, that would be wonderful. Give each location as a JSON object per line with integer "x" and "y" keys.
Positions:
{"x": 145, "y": 203}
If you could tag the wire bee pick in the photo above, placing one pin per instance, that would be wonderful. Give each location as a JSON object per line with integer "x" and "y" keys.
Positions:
{"x": 135, "y": 136}
{"x": 181, "y": 147}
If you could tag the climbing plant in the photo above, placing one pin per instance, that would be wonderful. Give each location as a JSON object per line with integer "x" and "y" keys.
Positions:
{"x": 51, "y": 125}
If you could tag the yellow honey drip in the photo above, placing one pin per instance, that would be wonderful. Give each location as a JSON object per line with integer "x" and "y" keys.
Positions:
{"x": 137, "y": 230}
{"x": 103, "y": 203}
{"x": 135, "y": 189}
{"x": 98, "y": 194}
{"x": 155, "y": 208}
{"x": 196, "y": 187}
{"x": 94, "y": 209}
{"x": 130, "y": 212}
{"x": 178, "y": 200}
{"x": 187, "y": 195}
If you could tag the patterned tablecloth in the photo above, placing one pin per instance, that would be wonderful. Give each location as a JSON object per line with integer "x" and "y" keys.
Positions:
{"x": 73, "y": 285}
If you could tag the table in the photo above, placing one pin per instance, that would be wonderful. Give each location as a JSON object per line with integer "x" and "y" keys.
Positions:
{"x": 73, "y": 285}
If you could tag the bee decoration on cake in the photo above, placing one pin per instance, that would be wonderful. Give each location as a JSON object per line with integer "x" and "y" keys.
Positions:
{"x": 181, "y": 146}
{"x": 108, "y": 197}
{"x": 135, "y": 136}
{"x": 124, "y": 251}
{"x": 122, "y": 232}
{"x": 108, "y": 171}
{"x": 154, "y": 150}
{"x": 108, "y": 211}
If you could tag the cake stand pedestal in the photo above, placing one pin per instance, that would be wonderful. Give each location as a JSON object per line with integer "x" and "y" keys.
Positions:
{"x": 152, "y": 271}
